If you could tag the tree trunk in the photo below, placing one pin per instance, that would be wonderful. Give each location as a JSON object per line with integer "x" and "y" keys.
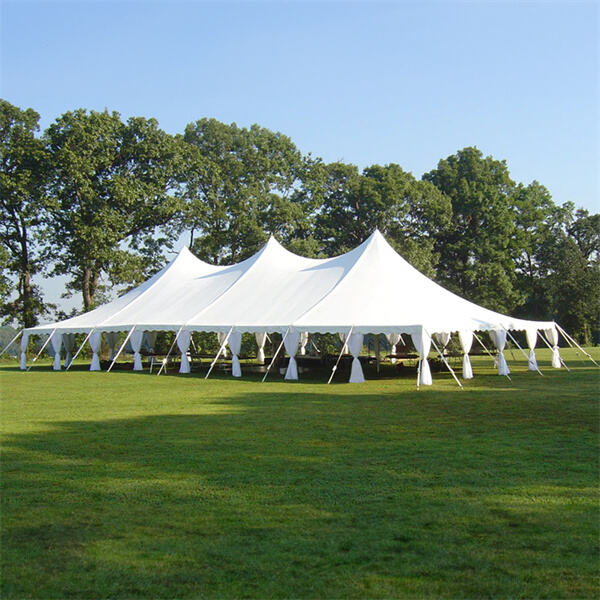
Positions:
{"x": 28, "y": 317}
{"x": 87, "y": 289}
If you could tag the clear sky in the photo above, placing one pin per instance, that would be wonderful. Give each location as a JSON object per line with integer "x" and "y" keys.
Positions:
{"x": 363, "y": 82}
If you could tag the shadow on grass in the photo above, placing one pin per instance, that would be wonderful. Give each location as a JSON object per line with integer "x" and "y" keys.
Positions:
{"x": 302, "y": 495}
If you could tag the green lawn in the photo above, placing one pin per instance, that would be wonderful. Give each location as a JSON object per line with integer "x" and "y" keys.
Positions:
{"x": 128, "y": 485}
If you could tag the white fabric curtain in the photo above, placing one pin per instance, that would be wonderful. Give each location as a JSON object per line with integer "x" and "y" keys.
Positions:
{"x": 23, "y": 357}
{"x": 221, "y": 335}
{"x": 552, "y": 335}
{"x": 466, "y": 341}
{"x": 136, "y": 345}
{"x": 303, "y": 342}
{"x": 111, "y": 342}
{"x": 56, "y": 342}
{"x": 183, "y": 343}
{"x": 235, "y": 345}
{"x": 95, "y": 341}
{"x": 393, "y": 339}
{"x": 261, "y": 338}
{"x": 442, "y": 338}
{"x": 531, "y": 335}
{"x": 292, "y": 339}
{"x": 499, "y": 338}
{"x": 355, "y": 344}
{"x": 69, "y": 345}
{"x": 422, "y": 343}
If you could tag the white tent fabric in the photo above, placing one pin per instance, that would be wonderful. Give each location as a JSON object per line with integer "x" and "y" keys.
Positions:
{"x": 531, "y": 335}
{"x": 261, "y": 338}
{"x": 422, "y": 341}
{"x": 56, "y": 342}
{"x": 235, "y": 345}
{"x": 499, "y": 338}
{"x": 355, "y": 343}
{"x": 466, "y": 341}
{"x": 69, "y": 345}
{"x": 23, "y": 357}
{"x": 136, "y": 344}
{"x": 183, "y": 343}
{"x": 291, "y": 342}
{"x": 95, "y": 340}
{"x": 370, "y": 289}
{"x": 552, "y": 334}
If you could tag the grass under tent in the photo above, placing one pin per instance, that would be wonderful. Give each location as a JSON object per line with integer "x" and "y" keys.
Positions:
{"x": 131, "y": 485}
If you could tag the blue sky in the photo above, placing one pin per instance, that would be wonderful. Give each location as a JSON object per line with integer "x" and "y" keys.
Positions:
{"x": 363, "y": 82}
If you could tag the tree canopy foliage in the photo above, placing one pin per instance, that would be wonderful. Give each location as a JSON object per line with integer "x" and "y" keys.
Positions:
{"x": 101, "y": 200}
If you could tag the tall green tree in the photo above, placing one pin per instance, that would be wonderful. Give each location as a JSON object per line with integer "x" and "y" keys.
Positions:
{"x": 570, "y": 258}
{"x": 410, "y": 213}
{"x": 477, "y": 251}
{"x": 22, "y": 208}
{"x": 113, "y": 190}
{"x": 239, "y": 186}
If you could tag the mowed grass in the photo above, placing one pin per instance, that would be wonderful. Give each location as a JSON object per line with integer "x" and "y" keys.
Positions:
{"x": 127, "y": 485}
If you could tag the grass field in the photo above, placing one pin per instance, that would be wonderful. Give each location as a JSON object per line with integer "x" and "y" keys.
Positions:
{"x": 127, "y": 485}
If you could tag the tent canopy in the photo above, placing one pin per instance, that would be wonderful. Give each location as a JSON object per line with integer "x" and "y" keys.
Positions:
{"x": 370, "y": 289}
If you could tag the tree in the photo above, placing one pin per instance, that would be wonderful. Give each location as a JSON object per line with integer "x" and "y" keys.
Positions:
{"x": 239, "y": 185}
{"x": 408, "y": 212}
{"x": 570, "y": 257}
{"x": 112, "y": 185}
{"x": 22, "y": 207}
{"x": 478, "y": 249}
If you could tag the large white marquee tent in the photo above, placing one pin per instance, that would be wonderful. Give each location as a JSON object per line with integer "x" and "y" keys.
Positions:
{"x": 370, "y": 289}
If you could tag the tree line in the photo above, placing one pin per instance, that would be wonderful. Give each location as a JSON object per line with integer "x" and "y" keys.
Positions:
{"x": 101, "y": 199}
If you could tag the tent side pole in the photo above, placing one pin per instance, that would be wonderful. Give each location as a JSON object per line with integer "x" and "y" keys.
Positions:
{"x": 445, "y": 361}
{"x": 491, "y": 355}
{"x": 339, "y": 356}
{"x": 120, "y": 349}
{"x": 87, "y": 337}
{"x": 275, "y": 355}
{"x": 549, "y": 346}
{"x": 11, "y": 342}
{"x": 164, "y": 362}
{"x": 522, "y": 351}
{"x": 41, "y": 349}
{"x": 568, "y": 337}
{"x": 214, "y": 362}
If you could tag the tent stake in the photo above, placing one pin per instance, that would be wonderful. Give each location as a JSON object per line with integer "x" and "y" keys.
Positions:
{"x": 564, "y": 364}
{"x": 11, "y": 342}
{"x": 219, "y": 352}
{"x": 87, "y": 337}
{"x": 41, "y": 349}
{"x": 164, "y": 362}
{"x": 444, "y": 360}
{"x": 275, "y": 355}
{"x": 120, "y": 349}
{"x": 568, "y": 337}
{"x": 522, "y": 351}
{"x": 492, "y": 356}
{"x": 344, "y": 343}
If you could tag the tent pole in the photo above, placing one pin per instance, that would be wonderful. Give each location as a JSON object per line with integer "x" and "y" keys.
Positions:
{"x": 42, "y": 349}
{"x": 549, "y": 346}
{"x": 445, "y": 361}
{"x": 120, "y": 349}
{"x": 87, "y": 337}
{"x": 11, "y": 341}
{"x": 568, "y": 337}
{"x": 164, "y": 362}
{"x": 522, "y": 351}
{"x": 340, "y": 355}
{"x": 219, "y": 352}
{"x": 419, "y": 373}
{"x": 492, "y": 356}
{"x": 275, "y": 355}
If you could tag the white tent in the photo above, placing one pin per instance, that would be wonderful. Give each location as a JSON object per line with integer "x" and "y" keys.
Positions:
{"x": 370, "y": 289}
